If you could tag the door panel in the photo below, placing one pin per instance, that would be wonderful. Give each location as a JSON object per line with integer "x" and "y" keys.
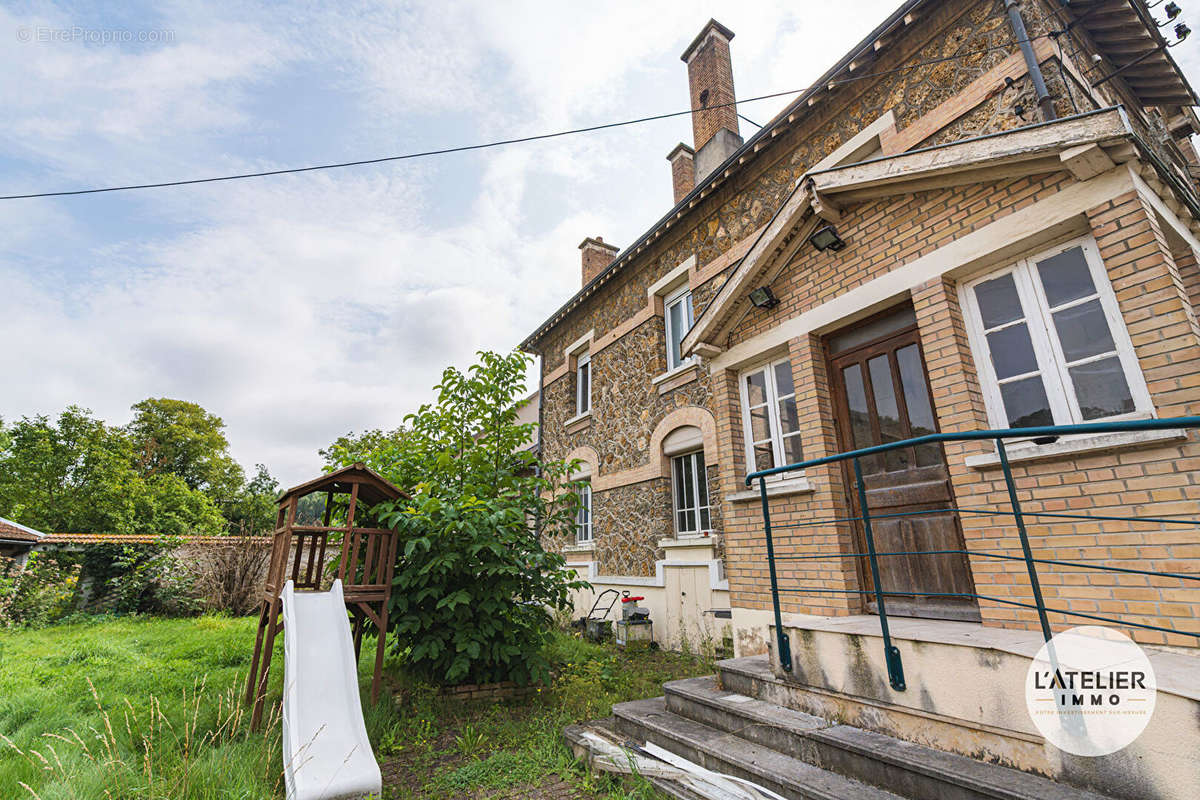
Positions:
{"x": 881, "y": 395}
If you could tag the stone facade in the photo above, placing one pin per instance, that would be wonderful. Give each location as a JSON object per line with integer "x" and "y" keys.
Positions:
{"x": 941, "y": 79}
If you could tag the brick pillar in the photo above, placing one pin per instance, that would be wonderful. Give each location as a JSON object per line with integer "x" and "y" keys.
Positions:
{"x": 597, "y": 254}
{"x": 683, "y": 170}
{"x": 1152, "y": 295}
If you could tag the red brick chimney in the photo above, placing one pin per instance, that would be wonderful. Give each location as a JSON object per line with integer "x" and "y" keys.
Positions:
{"x": 596, "y": 256}
{"x": 710, "y": 80}
{"x": 683, "y": 170}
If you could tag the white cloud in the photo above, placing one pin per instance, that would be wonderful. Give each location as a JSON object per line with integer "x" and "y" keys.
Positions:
{"x": 301, "y": 307}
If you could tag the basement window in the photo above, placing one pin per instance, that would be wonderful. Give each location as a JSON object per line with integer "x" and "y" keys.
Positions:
{"x": 1050, "y": 344}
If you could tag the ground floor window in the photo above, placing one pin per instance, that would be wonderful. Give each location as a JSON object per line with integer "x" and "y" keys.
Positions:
{"x": 583, "y": 517}
{"x": 692, "y": 512}
{"x": 770, "y": 417}
{"x": 1049, "y": 341}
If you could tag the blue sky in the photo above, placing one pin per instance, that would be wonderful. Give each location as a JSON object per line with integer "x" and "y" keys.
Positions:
{"x": 302, "y": 307}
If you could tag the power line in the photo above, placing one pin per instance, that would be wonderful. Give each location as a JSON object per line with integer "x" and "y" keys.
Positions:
{"x": 502, "y": 142}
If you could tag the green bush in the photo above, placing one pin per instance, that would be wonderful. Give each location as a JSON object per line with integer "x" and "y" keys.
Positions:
{"x": 149, "y": 579}
{"x": 475, "y": 588}
{"x": 37, "y": 593}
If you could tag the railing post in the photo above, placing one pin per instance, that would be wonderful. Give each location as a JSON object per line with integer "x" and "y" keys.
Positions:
{"x": 891, "y": 653}
{"x": 1047, "y": 634}
{"x": 784, "y": 646}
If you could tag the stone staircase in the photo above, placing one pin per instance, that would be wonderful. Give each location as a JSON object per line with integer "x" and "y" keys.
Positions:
{"x": 719, "y": 723}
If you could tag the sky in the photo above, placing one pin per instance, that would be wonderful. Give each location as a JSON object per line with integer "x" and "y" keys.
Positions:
{"x": 299, "y": 308}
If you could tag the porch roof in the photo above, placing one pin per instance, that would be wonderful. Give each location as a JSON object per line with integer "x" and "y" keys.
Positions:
{"x": 1086, "y": 145}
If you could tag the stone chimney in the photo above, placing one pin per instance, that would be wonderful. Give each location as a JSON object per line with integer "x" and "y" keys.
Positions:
{"x": 597, "y": 255}
{"x": 710, "y": 80}
{"x": 683, "y": 170}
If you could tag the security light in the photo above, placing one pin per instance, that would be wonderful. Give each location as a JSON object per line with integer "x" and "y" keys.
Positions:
{"x": 763, "y": 297}
{"x": 826, "y": 239}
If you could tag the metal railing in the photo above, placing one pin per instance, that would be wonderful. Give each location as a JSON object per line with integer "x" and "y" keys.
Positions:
{"x": 1039, "y": 435}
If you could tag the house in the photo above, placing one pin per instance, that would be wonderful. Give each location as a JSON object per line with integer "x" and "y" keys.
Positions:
{"x": 16, "y": 540}
{"x": 984, "y": 216}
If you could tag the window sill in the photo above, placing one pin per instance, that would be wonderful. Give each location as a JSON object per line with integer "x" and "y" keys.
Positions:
{"x": 578, "y": 422}
{"x": 776, "y": 489}
{"x": 585, "y": 547}
{"x": 680, "y": 376}
{"x": 1078, "y": 445}
{"x": 705, "y": 539}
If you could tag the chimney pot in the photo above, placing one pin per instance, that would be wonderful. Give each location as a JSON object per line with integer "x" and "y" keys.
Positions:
{"x": 597, "y": 254}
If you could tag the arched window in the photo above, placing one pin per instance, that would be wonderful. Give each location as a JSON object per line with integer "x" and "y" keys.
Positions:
{"x": 689, "y": 481}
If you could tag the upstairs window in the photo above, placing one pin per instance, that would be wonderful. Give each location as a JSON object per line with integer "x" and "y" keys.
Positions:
{"x": 1050, "y": 343}
{"x": 769, "y": 416}
{"x": 583, "y": 384}
{"x": 692, "y": 511}
{"x": 677, "y": 309}
{"x": 583, "y": 517}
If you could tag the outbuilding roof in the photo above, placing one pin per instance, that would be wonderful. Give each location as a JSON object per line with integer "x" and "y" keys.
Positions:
{"x": 16, "y": 532}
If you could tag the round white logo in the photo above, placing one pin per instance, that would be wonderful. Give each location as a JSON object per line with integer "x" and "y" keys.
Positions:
{"x": 1090, "y": 690}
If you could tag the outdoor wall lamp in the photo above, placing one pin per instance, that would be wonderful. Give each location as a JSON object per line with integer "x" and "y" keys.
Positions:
{"x": 826, "y": 239}
{"x": 763, "y": 297}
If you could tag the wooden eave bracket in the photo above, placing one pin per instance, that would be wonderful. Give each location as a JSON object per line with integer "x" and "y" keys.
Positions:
{"x": 1086, "y": 161}
{"x": 822, "y": 206}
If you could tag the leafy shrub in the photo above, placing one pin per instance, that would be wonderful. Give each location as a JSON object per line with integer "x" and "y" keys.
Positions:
{"x": 475, "y": 588}
{"x": 148, "y": 579}
{"x": 39, "y": 592}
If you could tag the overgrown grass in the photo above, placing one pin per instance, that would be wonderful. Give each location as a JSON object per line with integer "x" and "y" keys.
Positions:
{"x": 448, "y": 748}
{"x": 150, "y": 709}
{"x": 132, "y": 708}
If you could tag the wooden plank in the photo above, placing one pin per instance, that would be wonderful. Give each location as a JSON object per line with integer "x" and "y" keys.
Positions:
{"x": 1086, "y": 161}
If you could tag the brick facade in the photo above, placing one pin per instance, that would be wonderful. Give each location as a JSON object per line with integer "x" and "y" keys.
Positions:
{"x": 1154, "y": 277}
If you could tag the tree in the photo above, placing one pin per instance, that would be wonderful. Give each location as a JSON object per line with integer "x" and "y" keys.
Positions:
{"x": 474, "y": 584}
{"x": 76, "y": 475}
{"x": 181, "y": 438}
{"x": 79, "y": 475}
{"x": 252, "y": 510}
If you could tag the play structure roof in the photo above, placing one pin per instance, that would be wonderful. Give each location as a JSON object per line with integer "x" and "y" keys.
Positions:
{"x": 372, "y": 487}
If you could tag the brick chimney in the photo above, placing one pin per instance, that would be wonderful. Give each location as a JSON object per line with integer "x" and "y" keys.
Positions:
{"x": 597, "y": 255}
{"x": 710, "y": 80}
{"x": 683, "y": 170}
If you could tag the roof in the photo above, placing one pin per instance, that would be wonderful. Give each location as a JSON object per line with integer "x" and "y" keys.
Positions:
{"x": 146, "y": 538}
{"x": 1160, "y": 68}
{"x": 372, "y": 487}
{"x": 16, "y": 532}
{"x": 1130, "y": 40}
{"x": 1029, "y": 150}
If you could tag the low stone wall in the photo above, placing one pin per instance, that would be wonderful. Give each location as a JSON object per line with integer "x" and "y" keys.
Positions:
{"x": 487, "y": 691}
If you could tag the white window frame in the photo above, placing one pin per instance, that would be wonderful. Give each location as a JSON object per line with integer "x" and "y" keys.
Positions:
{"x": 583, "y": 516}
{"x": 1052, "y": 364}
{"x": 773, "y": 421}
{"x": 682, "y": 295}
{"x": 698, "y": 479}
{"x": 583, "y": 392}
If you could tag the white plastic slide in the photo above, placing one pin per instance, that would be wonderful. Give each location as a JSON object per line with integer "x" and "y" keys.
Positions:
{"x": 326, "y": 754}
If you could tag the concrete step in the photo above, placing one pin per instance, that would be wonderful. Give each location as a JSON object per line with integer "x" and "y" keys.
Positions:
{"x": 720, "y": 751}
{"x": 908, "y": 769}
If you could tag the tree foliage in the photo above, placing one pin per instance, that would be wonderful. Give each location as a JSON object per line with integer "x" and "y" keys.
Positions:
{"x": 474, "y": 586}
{"x": 77, "y": 474}
{"x": 180, "y": 438}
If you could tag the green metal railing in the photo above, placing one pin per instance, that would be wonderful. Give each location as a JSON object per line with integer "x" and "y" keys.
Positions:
{"x": 1039, "y": 435}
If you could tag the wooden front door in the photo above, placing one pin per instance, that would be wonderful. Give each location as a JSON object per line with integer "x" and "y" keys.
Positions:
{"x": 881, "y": 395}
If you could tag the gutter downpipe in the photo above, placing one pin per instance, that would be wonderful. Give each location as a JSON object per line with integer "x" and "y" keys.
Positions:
{"x": 1045, "y": 102}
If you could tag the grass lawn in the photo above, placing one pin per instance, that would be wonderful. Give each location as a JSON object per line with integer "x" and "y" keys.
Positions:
{"x": 150, "y": 709}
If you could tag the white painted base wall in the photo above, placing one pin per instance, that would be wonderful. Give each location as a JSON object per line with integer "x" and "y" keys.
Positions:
{"x": 688, "y": 586}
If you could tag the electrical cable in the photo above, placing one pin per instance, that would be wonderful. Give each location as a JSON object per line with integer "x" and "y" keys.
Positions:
{"x": 502, "y": 142}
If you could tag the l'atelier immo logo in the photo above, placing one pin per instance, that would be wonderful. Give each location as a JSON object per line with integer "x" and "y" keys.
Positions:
{"x": 1090, "y": 691}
